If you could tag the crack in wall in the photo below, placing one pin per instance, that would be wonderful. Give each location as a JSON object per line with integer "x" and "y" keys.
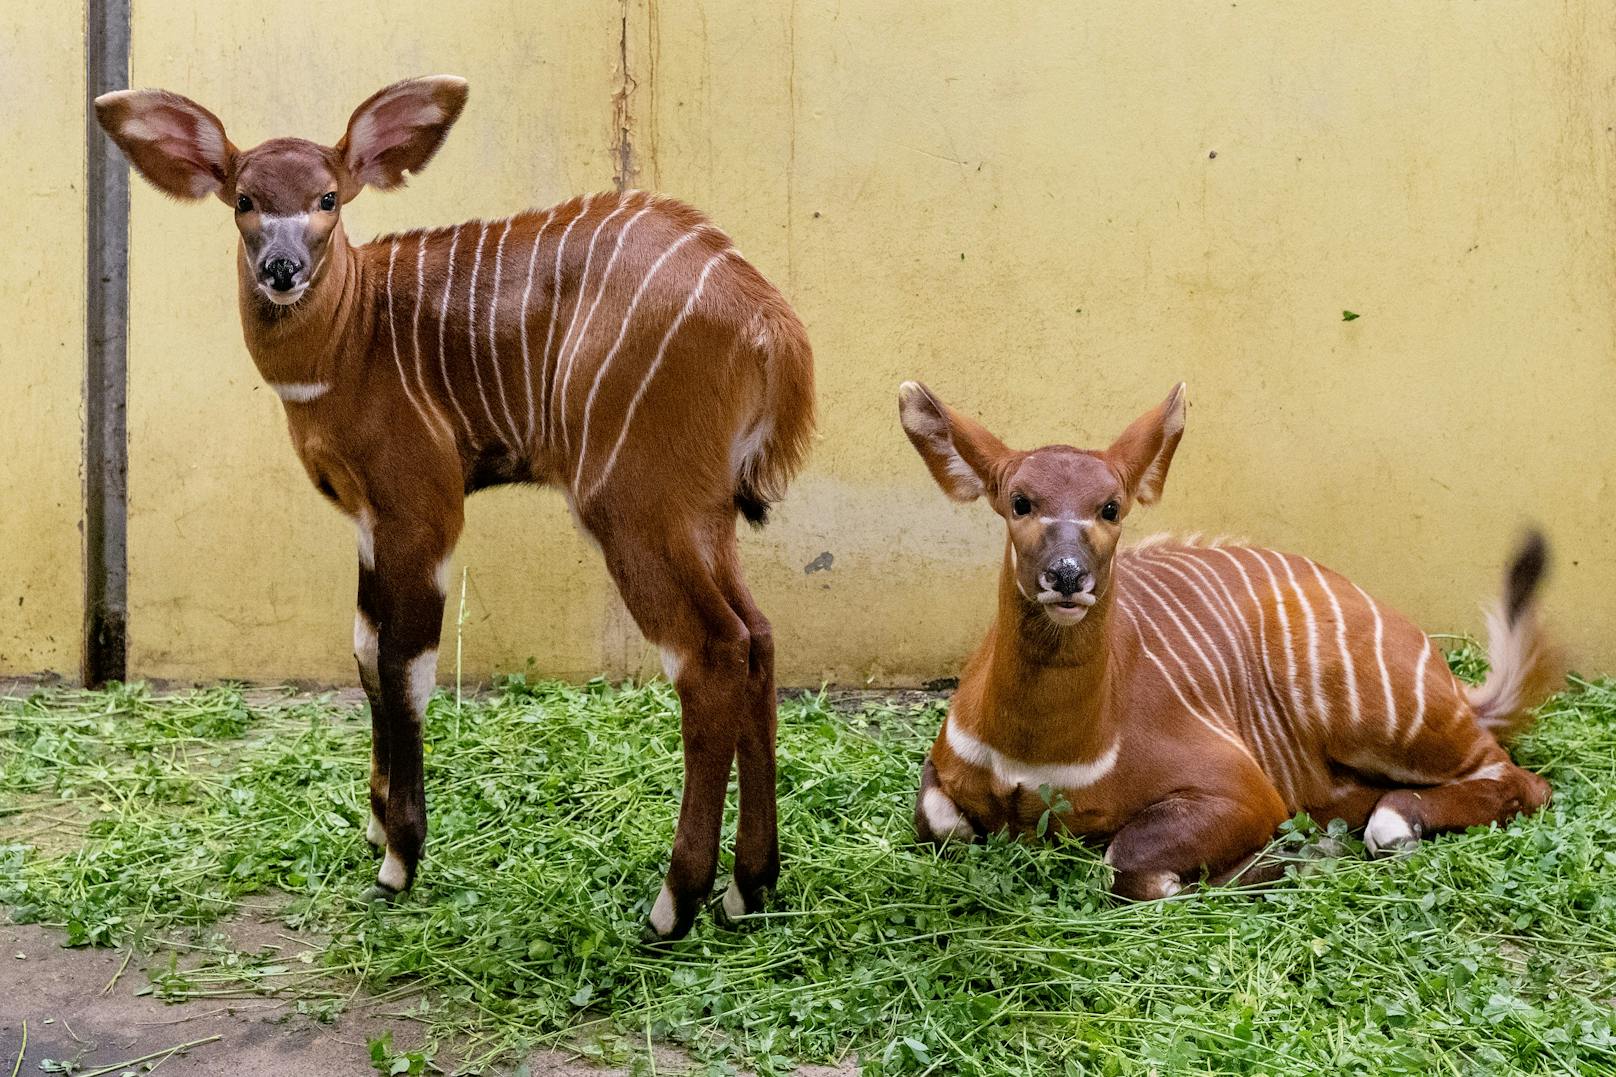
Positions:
{"x": 624, "y": 161}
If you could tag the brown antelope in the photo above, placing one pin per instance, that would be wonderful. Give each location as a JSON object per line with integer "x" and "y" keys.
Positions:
{"x": 1185, "y": 699}
{"x": 615, "y": 346}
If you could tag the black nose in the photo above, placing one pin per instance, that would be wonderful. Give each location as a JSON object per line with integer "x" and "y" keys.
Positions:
{"x": 280, "y": 272}
{"x": 1066, "y": 576}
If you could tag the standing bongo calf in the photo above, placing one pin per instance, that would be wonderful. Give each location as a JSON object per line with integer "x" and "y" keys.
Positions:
{"x": 615, "y": 346}
{"x": 1186, "y": 699}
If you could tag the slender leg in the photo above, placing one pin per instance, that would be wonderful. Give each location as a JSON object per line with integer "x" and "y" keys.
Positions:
{"x": 409, "y": 607}
{"x": 1169, "y": 844}
{"x": 673, "y": 596}
{"x": 1495, "y": 793}
{"x": 757, "y": 838}
{"x": 367, "y": 655}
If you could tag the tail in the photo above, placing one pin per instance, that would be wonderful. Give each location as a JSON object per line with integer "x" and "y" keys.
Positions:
{"x": 774, "y": 447}
{"x": 1525, "y": 667}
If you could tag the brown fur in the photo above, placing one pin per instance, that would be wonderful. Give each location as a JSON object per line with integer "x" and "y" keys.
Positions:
{"x": 1208, "y": 693}
{"x": 420, "y": 367}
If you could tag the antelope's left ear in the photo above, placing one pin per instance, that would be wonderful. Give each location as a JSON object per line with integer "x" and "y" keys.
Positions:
{"x": 1144, "y": 452}
{"x": 397, "y": 130}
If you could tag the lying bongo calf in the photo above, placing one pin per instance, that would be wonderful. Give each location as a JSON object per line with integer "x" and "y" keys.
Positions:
{"x": 1186, "y": 699}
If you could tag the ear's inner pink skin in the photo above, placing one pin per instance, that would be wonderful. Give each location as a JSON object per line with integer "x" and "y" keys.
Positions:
{"x": 1182, "y": 699}
{"x": 615, "y": 346}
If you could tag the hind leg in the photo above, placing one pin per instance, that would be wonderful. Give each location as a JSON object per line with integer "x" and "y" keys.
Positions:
{"x": 1495, "y": 792}
{"x": 757, "y": 842}
{"x": 670, "y": 589}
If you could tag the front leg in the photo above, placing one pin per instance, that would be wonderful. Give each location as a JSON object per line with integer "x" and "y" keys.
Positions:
{"x": 367, "y": 655}
{"x": 407, "y": 590}
{"x": 1173, "y": 841}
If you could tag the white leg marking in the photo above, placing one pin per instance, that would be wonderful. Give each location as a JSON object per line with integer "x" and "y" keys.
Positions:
{"x": 391, "y": 874}
{"x": 442, "y": 420}
{"x": 299, "y": 392}
{"x": 392, "y": 336}
{"x": 662, "y": 912}
{"x": 944, "y": 818}
{"x": 375, "y": 833}
{"x": 672, "y": 663}
{"x": 734, "y": 903}
{"x": 527, "y": 295}
{"x": 365, "y": 643}
{"x": 443, "y": 322}
{"x": 545, "y": 377}
{"x": 1388, "y": 832}
{"x": 365, "y": 524}
{"x": 650, "y": 375}
{"x": 440, "y": 575}
{"x": 583, "y": 332}
{"x": 421, "y": 677}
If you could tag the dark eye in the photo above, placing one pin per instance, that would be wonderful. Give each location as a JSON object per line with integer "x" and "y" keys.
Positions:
{"x": 328, "y": 201}
{"x": 1020, "y": 505}
{"x": 1110, "y": 510}
{"x": 243, "y": 204}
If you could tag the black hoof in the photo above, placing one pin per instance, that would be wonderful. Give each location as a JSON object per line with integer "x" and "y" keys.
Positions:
{"x": 381, "y": 895}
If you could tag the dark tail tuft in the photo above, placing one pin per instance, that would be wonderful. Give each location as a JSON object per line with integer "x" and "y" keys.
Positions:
{"x": 1525, "y": 574}
{"x": 751, "y": 506}
{"x": 1526, "y": 667}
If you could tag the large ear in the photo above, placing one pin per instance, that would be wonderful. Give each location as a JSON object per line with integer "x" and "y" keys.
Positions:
{"x": 1145, "y": 450}
{"x": 178, "y": 145}
{"x": 960, "y": 452}
{"x": 399, "y": 129}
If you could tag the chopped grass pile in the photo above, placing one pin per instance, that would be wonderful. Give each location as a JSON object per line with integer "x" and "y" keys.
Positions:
{"x": 552, "y": 810}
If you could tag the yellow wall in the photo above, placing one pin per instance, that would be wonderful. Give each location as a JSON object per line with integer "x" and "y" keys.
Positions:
{"x": 41, "y": 336}
{"x": 1019, "y": 204}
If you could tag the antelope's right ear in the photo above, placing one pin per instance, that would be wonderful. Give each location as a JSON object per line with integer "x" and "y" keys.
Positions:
{"x": 960, "y": 452}
{"x": 178, "y": 145}
{"x": 398, "y": 129}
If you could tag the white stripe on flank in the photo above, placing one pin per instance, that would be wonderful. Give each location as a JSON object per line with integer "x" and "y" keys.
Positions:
{"x": 545, "y": 379}
{"x": 1350, "y": 672}
{"x": 493, "y": 344}
{"x": 471, "y": 329}
{"x": 650, "y": 374}
{"x": 558, "y": 400}
{"x": 572, "y": 360}
{"x": 1224, "y": 684}
{"x": 1172, "y": 684}
{"x": 1419, "y": 689}
{"x": 1321, "y": 709}
{"x": 443, "y": 321}
{"x": 1286, "y": 733}
{"x": 1301, "y": 715}
{"x": 628, "y": 317}
{"x": 299, "y": 392}
{"x": 1069, "y": 777}
{"x": 446, "y": 427}
{"x": 527, "y": 295}
{"x": 1287, "y": 764}
{"x": 1380, "y": 658}
{"x": 392, "y": 334}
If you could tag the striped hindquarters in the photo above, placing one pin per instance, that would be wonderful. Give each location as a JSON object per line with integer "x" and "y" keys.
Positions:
{"x": 1300, "y": 664}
